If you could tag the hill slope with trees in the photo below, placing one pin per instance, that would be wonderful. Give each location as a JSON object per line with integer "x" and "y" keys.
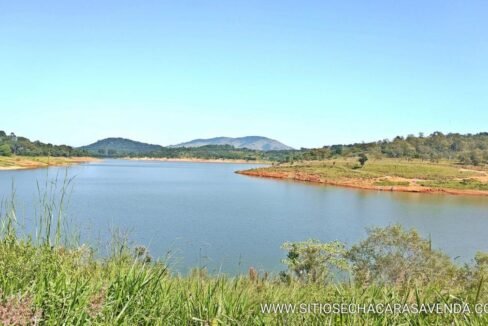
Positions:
{"x": 21, "y": 146}
{"x": 467, "y": 149}
{"x": 120, "y": 146}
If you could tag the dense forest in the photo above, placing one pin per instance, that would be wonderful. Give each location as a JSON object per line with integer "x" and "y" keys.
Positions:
{"x": 16, "y": 145}
{"x": 223, "y": 152}
{"x": 466, "y": 149}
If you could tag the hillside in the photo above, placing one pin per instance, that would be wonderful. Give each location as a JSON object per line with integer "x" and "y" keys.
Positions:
{"x": 468, "y": 149}
{"x": 120, "y": 146}
{"x": 12, "y": 144}
{"x": 250, "y": 142}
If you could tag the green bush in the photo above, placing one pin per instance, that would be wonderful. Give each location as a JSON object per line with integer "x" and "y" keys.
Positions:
{"x": 312, "y": 261}
{"x": 395, "y": 256}
{"x": 5, "y": 150}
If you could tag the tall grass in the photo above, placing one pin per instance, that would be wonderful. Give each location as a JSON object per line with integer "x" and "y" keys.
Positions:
{"x": 53, "y": 197}
{"x": 45, "y": 280}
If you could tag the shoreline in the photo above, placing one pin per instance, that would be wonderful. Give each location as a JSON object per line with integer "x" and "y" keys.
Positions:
{"x": 359, "y": 184}
{"x": 193, "y": 160}
{"x": 13, "y": 163}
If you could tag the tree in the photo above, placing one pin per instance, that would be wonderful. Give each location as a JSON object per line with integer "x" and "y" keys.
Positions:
{"x": 5, "y": 150}
{"x": 111, "y": 152}
{"x": 474, "y": 276}
{"x": 312, "y": 261}
{"x": 336, "y": 149}
{"x": 395, "y": 256}
{"x": 476, "y": 157}
{"x": 362, "y": 159}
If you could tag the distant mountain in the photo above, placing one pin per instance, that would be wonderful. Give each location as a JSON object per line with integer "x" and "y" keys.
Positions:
{"x": 111, "y": 146}
{"x": 250, "y": 142}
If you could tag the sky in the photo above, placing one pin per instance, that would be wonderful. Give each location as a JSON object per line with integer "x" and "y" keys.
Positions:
{"x": 307, "y": 73}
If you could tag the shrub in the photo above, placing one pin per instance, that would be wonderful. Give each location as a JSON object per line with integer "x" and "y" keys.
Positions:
{"x": 312, "y": 261}
{"x": 395, "y": 256}
{"x": 5, "y": 150}
{"x": 362, "y": 159}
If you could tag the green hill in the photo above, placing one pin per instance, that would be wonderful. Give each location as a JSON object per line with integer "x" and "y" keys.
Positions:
{"x": 120, "y": 146}
{"x": 16, "y": 145}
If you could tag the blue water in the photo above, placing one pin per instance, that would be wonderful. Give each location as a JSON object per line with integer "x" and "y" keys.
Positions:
{"x": 203, "y": 214}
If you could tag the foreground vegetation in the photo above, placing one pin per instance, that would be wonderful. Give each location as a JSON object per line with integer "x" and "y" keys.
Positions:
{"x": 48, "y": 279}
{"x": 385, "y": 174}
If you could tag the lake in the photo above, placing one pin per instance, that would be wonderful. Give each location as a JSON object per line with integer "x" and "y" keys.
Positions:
{"x": 203, "y": 214}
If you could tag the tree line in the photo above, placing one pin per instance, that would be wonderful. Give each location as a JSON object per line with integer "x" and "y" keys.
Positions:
{"x": 16, "y": 145}
{"x": 469, "y": 149}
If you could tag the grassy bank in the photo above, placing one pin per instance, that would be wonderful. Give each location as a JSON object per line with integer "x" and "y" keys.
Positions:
{"x": 385, "y": 174}
{"x": 32, "y": 162}
{"x": 58, "y": 286}
{"x": 54, "y": 285}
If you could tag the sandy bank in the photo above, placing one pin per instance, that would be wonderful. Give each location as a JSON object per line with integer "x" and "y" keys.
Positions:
{"x": 359, "y": 183}
{"x": 23, "y": 162}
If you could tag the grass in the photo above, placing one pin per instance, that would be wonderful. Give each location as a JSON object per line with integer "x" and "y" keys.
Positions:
{"x": 71, "y": 287}
{"x": 49, "y": 280}
{"x": 416, "y": 170}
{"x": 465, "y": 184}
{"x": 440, "y": 175}
{"x": 375, "y": 169}
{"x": 385, "y": 183}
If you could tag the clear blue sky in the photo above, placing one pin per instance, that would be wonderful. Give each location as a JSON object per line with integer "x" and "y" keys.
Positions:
{"x": 307, "y": 73}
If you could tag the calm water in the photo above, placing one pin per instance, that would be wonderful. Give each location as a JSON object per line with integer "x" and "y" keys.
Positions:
{"x": 206, "y": 215}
